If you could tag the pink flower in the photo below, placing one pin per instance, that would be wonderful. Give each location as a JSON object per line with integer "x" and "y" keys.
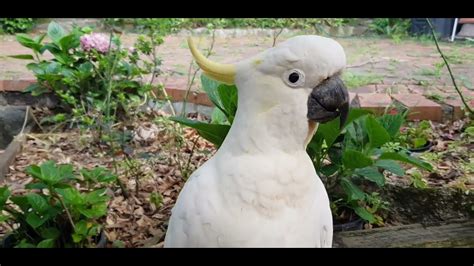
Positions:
{"x": 97, "y": 41}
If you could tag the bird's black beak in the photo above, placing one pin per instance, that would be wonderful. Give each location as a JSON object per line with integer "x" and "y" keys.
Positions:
{"x": 329, "y": 100}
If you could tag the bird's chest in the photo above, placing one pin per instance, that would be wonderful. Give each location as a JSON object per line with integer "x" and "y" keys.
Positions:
{"x": 270, "y": 185}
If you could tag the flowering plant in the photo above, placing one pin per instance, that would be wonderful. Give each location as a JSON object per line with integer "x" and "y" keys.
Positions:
{"x": 94, "y": 76}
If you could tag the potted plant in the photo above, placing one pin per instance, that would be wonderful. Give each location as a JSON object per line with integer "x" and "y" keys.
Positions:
{"x": 417, "y": 138}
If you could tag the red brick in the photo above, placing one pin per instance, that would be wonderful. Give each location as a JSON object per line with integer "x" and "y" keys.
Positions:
{"x": 352, "y": 96}
{"x": 457, "y": 106}
{"x": 1, "y": 86}
{"x": 398, "y": 88}
{"x": 17, "y": 85}
{"x": 365, "y": 89}
{"x": 416, "y": 89}
{"x": 376, "y": 102}
{"x": 420, "y": 107}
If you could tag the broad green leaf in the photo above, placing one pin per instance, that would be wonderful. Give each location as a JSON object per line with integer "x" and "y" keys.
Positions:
{"x": 22, "y": 56}
{"x": 34, "y": 171}
{"x": 353, "y": 159}
{"x": 391, "y": 166}
{"x": 39, "y": 39}
{"x": 210, "y": 87}
{"x": 371, "y": 173}
{"x": 33, "y": 87}
{"x": 36, "y": 221}
{"x": 50, "y": 233}
{"x": 228, "y": 97}
{"x": 25, "y": 244}
{"x": 71, "y": 196}
{"x": 96, "y": 196}
{"x": 81, "y": 228}
{"x": 392, "y": 123}
{"x": 364, "y": 214}
{"x": 419, "y": 142}
{"x": 76, "y": 238}
{"x": 69, "y": 41}
{"x": 47, "y": 243}
{"x": 377, "y": 133}
{"x": 218, "y": 117}
{"x": 330, "y": 130}
{"x": 51, "y": 47}
{"x": 95, "y": 211}
{"x": 402, "y": 157}
{"x": 4, "y": 195}
{"x": 37, "y": 202}
{"x": 352, "y": 191}
{"x": 22, "y": 202}
{"x": 212, "y": 132}
{"x": 55, "y": 32}
{"x": 27, "y": 42}
{"x": 329, "y": 170}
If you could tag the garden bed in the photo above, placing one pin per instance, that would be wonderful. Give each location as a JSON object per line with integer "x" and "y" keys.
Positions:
{"x": 136, "y": 219}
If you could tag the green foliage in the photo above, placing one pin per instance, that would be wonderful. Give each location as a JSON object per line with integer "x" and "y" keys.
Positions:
{"x": 175, "y": 24}
{"x": 96, "y": 86}
{"x": 349, "y": 158}
{"x": 54, "y": 212}
{"x": 416, "y": 136}
{"x": 395, "y": 28}
{"x": 16, "y": 25}
{"x": 353, "y": 80}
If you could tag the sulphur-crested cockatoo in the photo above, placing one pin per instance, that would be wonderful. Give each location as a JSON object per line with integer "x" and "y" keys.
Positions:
{"x": 260, "y": 189}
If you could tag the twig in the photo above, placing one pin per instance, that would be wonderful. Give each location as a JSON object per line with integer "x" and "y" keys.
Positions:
{"x": 275, "y": 36}
{"x": 66, "y": 209}
{"x": 191, "y": 80}
{"x": 365, "y": 63}
{"x": 25, "y": 121}
{"x": 449, "y": 69}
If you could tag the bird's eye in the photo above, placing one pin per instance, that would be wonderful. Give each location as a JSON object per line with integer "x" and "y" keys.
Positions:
{"x": 294, "y": 77}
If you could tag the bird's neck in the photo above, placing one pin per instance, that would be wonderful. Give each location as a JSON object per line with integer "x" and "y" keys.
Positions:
{"x": 267, "y": 125}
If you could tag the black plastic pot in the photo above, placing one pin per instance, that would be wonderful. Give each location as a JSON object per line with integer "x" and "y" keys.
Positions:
{"x": 357, "y": 224}
{"x": 425, "y": 147}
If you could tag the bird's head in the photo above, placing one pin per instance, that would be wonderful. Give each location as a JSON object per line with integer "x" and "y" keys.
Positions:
{"x": 303, "y": 71}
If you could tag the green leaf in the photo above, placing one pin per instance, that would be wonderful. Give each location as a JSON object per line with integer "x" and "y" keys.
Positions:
{"x": 50, "y": 233}
{"x": 96, "y": 196}
{"x": 22, "y": 202}
{"x": 96, "y": 211}
{"x": 81, "y": 228}
{"x": 34, "y": 171}
{"x": 371, "y": 173}
{"x": 36, "y": 221}
{"x": 352, "y": 191}
{"x": 98, "y": 174}
{"x": 69, "y": 41}
{"x": 24, "y": 244}
{"x": 218, "y": 117}
{"x": 228, "y": 97}
{"x": 47, "y": 243}
{"x": 353, "y": 159}
{"x": 22, "y": 56}
{"x": 37, "y": 202}
{"x": 377, "y": 133}
{"x": 4, "y": 195}
{"x": 27, "y": 42}
{"x": 419, "y": 142}
{"x": 391, "y": 166}
{"x": 55, "y": 32}
{"x": 210, "y": 87}
{"x": 392, "y": 123}
{"x": 364, "y": 214}
{"x": 71, "y": 196}
{"x": 212, "y": 132}
{"x": 34, "y": 88}
{"x": 402, "y": 157}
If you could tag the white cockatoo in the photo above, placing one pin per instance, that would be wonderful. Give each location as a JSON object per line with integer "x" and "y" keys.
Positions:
{"x": 260, "y": 189}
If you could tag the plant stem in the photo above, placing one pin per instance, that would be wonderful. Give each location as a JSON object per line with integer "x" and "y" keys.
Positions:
{"x": 275, "y": 36}
{"x": 54, "y": 194}
{"x": 449, "y": 68}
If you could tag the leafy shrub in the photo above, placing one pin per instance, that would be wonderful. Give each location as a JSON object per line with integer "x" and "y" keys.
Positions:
{"x": 54, "y": 212}
{"x": 350, "y": 160}
{"x": 96, "y": 79}
{"x": 16, "y": 25}
{"x": 392, "y": 27}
